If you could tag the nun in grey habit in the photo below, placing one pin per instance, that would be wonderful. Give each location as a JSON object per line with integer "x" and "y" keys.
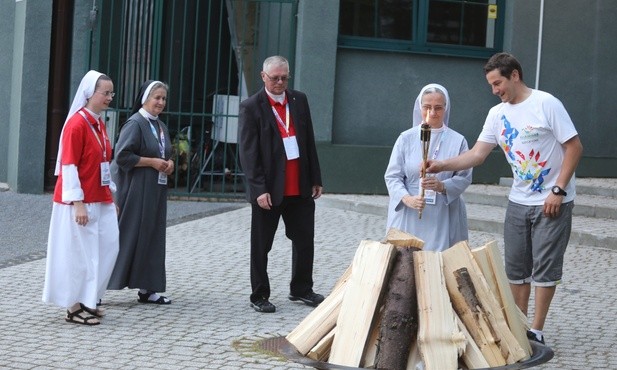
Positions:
{"x": 444, "y": 217}
{"x": 140, "y": 169}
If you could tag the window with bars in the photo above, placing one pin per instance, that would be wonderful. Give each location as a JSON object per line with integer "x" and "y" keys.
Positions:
{"x": 448, "y": 27}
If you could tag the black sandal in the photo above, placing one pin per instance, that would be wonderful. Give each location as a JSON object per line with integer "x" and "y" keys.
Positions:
{"x": 74, "y": 317}
{"x": 144, "y": 298}
{"x": 98, "y": 312}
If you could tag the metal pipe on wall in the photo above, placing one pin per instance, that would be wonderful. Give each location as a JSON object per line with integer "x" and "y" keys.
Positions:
{"x": 539, "y": 55}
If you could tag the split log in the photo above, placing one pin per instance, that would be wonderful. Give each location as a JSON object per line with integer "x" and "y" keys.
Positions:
{"x": 321, "y": 351}
{"x": 370, "y": 352}
{"x": 478, "y": 307}
{"x": 400, "y": 238}
{"x": 472, "y": 356}
{"x": 489, "y": 260}
{"x": 320, "y": 321}
{"x": 371, "y": 264}
{"x": 399, "y": 325}
{"x": 440, "y": 341}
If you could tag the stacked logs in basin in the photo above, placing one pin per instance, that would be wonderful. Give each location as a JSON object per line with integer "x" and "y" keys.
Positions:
{"x": 398, "y": 307}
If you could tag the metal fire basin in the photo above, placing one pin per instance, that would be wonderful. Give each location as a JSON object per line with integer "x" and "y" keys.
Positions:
{"x": 279, "y": 345}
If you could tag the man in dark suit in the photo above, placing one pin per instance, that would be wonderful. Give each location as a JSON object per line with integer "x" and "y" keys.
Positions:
{"x": 279, "y": 159}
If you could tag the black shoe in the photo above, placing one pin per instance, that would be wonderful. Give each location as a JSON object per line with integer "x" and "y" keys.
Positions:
{"x": 263, "y": 305}
{"x": 311, "y": 298}
{"x": 532, "y": 336}
{"x": 145, "y": 298}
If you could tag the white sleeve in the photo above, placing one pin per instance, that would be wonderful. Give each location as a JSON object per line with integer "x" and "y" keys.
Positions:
{"x": 488, "y": 130}
{"x": 71, "y": 187}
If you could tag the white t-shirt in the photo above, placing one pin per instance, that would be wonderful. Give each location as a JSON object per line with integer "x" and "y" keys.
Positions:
{"x": 530, "y": 134}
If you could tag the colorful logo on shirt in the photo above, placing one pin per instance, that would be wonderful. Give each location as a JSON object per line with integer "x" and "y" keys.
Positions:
{"x": 527, "y": 167}
{"x": 509, "y": 134}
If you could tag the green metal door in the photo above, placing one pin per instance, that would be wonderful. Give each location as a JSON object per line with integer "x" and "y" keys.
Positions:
{"x": 210, "y": 53}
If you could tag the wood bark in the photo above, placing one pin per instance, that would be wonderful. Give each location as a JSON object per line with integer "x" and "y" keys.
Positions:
{"x": 399, "y": 324}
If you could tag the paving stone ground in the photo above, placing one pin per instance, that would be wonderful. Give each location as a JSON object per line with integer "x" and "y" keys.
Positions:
{"x": 211, "y": 326}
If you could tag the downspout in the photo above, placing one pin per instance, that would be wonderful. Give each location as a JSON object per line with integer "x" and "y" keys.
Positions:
{"x": 539, "y": 56}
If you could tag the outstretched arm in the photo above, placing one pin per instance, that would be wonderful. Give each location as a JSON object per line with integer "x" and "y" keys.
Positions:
{"x": 474, "y": 157}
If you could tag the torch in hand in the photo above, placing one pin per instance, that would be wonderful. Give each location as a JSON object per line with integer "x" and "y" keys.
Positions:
{"x": 425, "y": 138}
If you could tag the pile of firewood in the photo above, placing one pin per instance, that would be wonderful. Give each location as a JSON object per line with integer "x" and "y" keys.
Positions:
{"x": 397, "y": 307}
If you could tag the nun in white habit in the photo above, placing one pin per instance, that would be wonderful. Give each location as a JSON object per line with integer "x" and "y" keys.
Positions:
{"x": 82, "y": 244}
{"x": 444, "y": 217}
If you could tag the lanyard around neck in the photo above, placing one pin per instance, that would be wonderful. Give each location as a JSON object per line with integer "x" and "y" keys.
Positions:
{"x": 160, "y": 139}
{"x": 443, "y": 135}
{"x": 280, "y": 121}
{"x": 103, "y": 145}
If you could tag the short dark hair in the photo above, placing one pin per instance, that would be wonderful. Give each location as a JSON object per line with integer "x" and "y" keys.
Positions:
{"x": 506, "y": 63}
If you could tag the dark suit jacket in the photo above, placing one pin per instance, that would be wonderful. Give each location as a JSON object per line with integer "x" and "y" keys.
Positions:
{"x": 262, "y": 154}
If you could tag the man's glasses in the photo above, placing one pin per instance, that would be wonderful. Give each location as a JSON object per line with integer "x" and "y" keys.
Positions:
{"x": 107, "y": 93}
{"x": 277, "y": 78}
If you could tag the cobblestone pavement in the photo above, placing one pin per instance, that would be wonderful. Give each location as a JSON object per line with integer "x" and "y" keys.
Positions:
{"x": 211, "y": 326}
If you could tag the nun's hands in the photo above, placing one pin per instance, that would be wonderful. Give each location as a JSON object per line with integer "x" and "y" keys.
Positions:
{"x": 413, "y": 201}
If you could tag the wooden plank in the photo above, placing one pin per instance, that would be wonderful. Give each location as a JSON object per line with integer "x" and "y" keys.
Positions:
{"x": 439, "y": 338}
{"x": 320, "y": 321}
{"x": 478, "y": 308}
{"x": 370, "y": 268}
{"x": 492, "y": 266}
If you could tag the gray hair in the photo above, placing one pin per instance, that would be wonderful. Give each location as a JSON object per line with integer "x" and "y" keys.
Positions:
{"x": 275, "y": 61}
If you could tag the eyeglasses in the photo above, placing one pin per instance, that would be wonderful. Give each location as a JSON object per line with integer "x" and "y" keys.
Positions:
{"x": 278, "y": 78}
{"x": 107, "y": 93}
{"x": 436, "y": 108}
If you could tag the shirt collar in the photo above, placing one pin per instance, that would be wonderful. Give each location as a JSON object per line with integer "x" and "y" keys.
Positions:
{"x": 281, "y": 99}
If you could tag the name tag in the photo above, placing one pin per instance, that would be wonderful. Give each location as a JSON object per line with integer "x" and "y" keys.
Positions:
{"x": 430, "y": 196}
{"x": 291, "y": 147}
{"x": 105, "y": 174}
{"x": 162, "y": 178}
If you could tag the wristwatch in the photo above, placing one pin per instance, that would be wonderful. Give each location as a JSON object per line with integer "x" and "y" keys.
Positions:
{"x": 558, "y": 191}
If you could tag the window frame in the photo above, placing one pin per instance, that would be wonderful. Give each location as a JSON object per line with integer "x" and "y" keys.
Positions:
{"x": 418, "y": 43}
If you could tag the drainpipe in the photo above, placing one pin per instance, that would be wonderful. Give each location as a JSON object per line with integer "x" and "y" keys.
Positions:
{"x": 539, "y": 56}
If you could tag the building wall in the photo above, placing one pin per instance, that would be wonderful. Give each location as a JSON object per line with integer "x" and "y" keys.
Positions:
{"x": 7, "y": 11}
{"x": 374, "y": 92}
{"x": 24, "y": 160}
{"x": 360, "y": 100}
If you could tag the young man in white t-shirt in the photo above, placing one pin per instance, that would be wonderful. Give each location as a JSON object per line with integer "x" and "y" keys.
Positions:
{"x": 543, "y": 149}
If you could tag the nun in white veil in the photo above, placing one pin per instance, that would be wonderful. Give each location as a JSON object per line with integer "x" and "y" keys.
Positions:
{"x": 83, "y": 233}
{"x": 444, "y": 216}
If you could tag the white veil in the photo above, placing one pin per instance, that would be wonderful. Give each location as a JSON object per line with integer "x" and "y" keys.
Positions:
{"x": 84, "y": 92}
{"x": 417, "y": 108}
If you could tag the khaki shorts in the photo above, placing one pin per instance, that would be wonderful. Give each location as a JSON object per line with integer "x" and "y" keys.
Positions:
{"x": 534, "y": 244}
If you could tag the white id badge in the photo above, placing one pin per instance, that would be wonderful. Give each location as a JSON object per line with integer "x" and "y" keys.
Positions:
{"x": 291, "y": 147}
{"x": 162, "y": 178}
{"x": 429, "y": 195}
{"x": 105, "y": 174}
